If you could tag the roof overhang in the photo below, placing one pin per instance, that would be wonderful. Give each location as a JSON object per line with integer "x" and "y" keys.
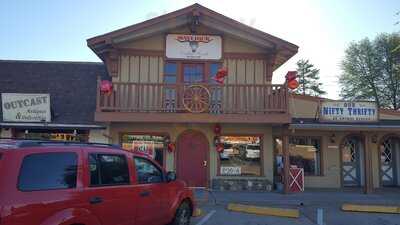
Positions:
{"x": 344, "y": 127}
{"x": 227, "y": 26}
{"x": 51, "y": 126}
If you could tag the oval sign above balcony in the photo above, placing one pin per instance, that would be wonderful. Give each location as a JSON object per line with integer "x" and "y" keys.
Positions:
{"x": 187, "y": 46}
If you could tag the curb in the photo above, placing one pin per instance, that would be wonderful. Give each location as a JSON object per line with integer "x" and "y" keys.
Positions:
{"x": 266, "y": 211}
{"x": 371, "y": 208}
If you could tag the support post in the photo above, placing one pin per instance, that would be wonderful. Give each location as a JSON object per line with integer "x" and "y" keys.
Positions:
{"x": 286, "y": 163}
{"x": 368, "y": 186}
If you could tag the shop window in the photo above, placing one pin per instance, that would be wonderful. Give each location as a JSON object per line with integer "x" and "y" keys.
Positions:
{"x": 47, "y": 171}
{"x": 241, "y": 156}
{"x": 108, "y": 169}
{"x": 55, "y": 135}
{"x": 147, "y": 172}
{"x": 305, "y": 152}
{"x": 152, "y": 145}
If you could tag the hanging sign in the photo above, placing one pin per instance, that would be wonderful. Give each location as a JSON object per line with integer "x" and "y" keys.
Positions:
{"x": 26, "y": 107}
{"x": 231, "y": 170}
{"x": 145, "y": 147}
{"x": 187, "y": 46}
{"x": 344, "y": 111}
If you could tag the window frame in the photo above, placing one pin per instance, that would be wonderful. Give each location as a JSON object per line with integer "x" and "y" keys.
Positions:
{"x": 165, "y": 74}
{"x": 162, "y": 134}
{"x": 154, "y": 164}
{"x": 49, "y": 189}
{"x": 320, "y": 173}
{"x": 180, "y": 63}
{"x": 99, "y": 172}
{"x": 262, "y": 172}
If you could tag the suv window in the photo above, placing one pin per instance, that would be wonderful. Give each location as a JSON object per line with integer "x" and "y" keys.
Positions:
{"x": 147, "y": 172}
{"x": 44, "y": 171}
{"x": 108, "y": 169}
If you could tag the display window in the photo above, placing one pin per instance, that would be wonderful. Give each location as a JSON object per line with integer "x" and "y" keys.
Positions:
{"x": 305, "y": 152}
{"x": 241, "y": 156}
{"x": 151, "y": 145}
{"x": 53, "y": 135}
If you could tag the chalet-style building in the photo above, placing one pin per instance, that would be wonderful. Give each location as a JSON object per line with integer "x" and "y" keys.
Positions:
{"x": 193, "y": 90}
{"x": 235, "y": 134}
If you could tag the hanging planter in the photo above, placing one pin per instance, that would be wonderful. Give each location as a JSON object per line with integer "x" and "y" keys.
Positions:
{"x": 220, "y": 148}
{"x": 293, "y": 84}
{"x": 217, "y": 129}
{"x": 171, "y": 147}
{"x": 291, "y": 81}
{"x": 221, "y": 74}
{"x": 106, "y": 87}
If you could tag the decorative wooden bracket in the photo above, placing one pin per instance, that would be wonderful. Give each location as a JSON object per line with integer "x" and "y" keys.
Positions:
{"x": 112, "y": 62}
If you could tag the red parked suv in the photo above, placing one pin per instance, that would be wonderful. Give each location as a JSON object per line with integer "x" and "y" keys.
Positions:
{"x": 63, "y": 183}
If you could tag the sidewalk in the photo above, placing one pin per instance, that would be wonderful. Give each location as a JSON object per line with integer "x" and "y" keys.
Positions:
{"x": 307, "y": 202}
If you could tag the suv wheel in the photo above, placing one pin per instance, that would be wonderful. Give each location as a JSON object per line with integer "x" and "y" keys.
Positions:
{"x": 183, "y": 214}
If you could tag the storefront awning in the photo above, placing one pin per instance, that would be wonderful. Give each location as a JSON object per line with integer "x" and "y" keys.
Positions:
{"x": 311, "y": 124}
{"x": 51, "y": 126}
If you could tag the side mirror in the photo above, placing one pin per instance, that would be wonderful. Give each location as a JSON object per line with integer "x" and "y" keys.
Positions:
{"x": 171, "y": 176}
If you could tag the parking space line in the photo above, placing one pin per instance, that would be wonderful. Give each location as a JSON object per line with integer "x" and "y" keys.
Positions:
{"x": 206, "y": 218}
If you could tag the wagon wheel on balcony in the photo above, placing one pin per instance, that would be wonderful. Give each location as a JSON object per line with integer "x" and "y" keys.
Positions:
{"x": 196, "y": 98}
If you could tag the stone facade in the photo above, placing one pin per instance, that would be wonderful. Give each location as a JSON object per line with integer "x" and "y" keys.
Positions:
{"x": 243, "y": 184}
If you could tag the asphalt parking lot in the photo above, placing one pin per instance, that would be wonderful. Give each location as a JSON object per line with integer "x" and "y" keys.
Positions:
{"x": 215, "y": 212}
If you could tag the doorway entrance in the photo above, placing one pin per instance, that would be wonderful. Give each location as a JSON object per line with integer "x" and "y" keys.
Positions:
{"x": 389, "y": 156}
{"x": 192, "y": 160}
{"x": 352, "y": 163}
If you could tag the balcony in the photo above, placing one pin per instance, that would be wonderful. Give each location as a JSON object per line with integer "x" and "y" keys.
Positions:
{"x": 194, "y": 103}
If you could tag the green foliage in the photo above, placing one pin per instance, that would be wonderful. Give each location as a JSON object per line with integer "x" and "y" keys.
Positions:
{"x": 371, "y": 71}
{"x": 308, "y": 77}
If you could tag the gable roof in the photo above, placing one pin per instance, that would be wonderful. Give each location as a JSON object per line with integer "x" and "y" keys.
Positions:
{"x": 71, "y": 85}
{"x": 208, "y": 18}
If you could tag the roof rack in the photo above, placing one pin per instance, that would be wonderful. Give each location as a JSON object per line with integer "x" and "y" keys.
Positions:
{"x": 21, "y": 143}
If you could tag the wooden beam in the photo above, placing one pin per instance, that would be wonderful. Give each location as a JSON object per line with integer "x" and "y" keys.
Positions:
{"x": 286, "y": 163}
{"x": 368, "y": 186}
{"x": 160, "y": 117}
{"x": 140, "y": 52}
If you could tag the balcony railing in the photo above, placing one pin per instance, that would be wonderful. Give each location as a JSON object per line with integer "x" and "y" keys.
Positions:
{"x": 215, "y": 99}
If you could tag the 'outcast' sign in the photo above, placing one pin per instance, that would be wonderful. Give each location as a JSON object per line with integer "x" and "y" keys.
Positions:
{"x": 26, "y": 107}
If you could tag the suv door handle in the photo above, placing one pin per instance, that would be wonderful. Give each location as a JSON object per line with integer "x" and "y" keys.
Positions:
{"x": 144, "y": 194}
{"x": 95, "y": 200}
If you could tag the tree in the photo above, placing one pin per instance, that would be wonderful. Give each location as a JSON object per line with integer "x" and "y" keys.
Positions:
{"x": 370, "y": 71}
{"x": 308, "y": 79}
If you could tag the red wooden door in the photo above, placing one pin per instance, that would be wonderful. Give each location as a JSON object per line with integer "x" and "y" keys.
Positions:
{"x": 192, "y": 162}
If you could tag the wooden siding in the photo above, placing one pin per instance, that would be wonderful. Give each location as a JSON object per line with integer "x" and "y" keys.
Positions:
{"x": 142, "y": 69}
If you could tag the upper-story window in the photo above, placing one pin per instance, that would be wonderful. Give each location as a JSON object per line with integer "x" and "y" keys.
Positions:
{"x": 193, "y": 73}
{"x": 170, "y": 73}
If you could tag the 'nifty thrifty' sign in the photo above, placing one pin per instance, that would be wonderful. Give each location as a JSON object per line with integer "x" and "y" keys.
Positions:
{"x": 343, "y": 111}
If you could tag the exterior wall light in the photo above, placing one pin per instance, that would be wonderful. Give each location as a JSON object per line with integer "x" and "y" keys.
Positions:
{"x": 374, "y": 138}
{"x": 332, "y": 138}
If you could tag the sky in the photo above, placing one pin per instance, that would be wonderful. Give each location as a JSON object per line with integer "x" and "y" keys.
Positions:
{"x": 57, "y": 30}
